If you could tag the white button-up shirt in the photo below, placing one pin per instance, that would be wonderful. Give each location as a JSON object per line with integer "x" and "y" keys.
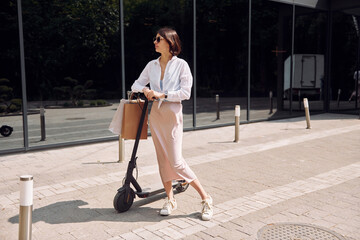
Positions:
{"x": 177, "y": 80}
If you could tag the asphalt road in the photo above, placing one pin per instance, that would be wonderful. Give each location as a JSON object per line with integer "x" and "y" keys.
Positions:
{"x": 64, "y": 125}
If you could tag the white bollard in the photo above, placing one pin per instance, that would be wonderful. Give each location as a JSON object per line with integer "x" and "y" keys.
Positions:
{"x": 121, "y": 149}
{"x": 217, "y": 106}
{"x": 26, "y": 207}
{"x": 307, "y": 113}
{"x": 237, "y": 122}
{"x": 338, "y": 98}
{"x": 271, "y": 102}
{"x": 42, "y": 124}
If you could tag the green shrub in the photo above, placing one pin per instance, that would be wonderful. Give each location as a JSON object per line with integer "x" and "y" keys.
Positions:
{"x": 101, "y": 102}
{"x": 15, "y": 105}
{"x": 17, "y": 102}
{"x": 66, "y": 104}
{"x": 13, "y": 108}
{"x": 92, "y": 103}
{"x": 3, "y": 109}
{"x": 80, "y": 103}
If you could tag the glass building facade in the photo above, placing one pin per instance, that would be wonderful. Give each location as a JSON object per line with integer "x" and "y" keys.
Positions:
{"x": 64, "y": 65}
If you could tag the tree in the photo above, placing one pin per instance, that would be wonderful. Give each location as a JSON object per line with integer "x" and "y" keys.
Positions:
{"x": 66, "y": 38}
{"x": 6, "y": 94}
{"x": 6, "y": 97}
{"x": 75, "y": 91}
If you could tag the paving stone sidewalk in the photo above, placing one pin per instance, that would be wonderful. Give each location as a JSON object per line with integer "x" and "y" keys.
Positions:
{"x": 279, "y": 172}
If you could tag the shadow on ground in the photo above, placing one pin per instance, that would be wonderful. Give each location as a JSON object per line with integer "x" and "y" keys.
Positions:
{"x": 75, "y": 212}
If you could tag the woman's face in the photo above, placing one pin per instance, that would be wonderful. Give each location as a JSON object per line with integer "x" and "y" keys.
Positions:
{"x": 161, "y": 46}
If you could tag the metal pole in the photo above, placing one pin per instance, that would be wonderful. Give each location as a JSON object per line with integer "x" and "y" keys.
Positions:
{"x": 357, "y": 85}
{"x": 217, "y": 106}
{"x": 194, "y": 63}
{"x": 338, "y": 98}
{"x": 307, "y": 113}
{"x": 357, "y": 68}
{"x": 26, "y": 207}
{"x": 249, "y": 65}
{"x": 237, "y": 123}
{"x": 122, "y": 47}
{"x": 121, "y": 149}
{"x": 299, "y": 96}
{"x": 327, "y": 80}
{"x": 23, "y": 77}
{"x": 271, "y": 102}
{"x": 292, "y": 57}
{"x": 42, "y": 123}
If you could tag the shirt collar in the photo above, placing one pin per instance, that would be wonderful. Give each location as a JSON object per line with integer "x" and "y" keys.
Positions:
{"x": 172, "y": 59}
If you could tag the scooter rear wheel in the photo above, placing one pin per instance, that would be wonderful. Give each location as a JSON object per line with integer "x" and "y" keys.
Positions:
{"x": 6, "y": 130}
{"x": 123, "y": 201}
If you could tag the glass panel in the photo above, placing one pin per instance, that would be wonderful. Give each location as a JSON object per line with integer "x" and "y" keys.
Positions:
{"x": 309, "y": 59}
{"x": 73, "y": 69}
{"x": 11, "y": 122}
{"x": 142, "y": 20}
{"x": 222, "y": 53}
{"x": 345, "y": 47}
{"x": 270, "y": 47}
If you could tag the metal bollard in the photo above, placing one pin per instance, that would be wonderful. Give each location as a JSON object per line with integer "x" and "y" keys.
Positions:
{"x": 338, "y": 98}
{"x": 217, "y": 106}
{"x": 237, "y": 122}
{"x": 307, "y": 113}
{"x": 42, "y": 124}
{"x": 121, "y": 149}
{"x": 26, "y": 207}
{"x": 271, "y": 102}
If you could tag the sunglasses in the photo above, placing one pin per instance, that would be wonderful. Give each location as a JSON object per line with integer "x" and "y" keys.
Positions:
{"x": 157, "y": 39}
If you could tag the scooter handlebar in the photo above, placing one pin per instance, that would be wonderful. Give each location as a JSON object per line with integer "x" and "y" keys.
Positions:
{"x": 140, "y": 95}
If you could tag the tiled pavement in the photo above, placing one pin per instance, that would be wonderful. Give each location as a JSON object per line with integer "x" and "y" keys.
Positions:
{"x": 278, "y": 172}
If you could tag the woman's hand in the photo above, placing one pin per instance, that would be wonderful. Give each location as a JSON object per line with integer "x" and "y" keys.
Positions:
{"x": 151, "y": 94}
{"x": 158, "y": 95}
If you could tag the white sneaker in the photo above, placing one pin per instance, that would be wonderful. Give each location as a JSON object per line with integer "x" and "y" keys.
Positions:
{"x": 169, "y": 206}
{"x": 207, "y": 209}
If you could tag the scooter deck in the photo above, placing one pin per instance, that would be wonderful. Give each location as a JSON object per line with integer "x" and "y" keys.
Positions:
{"x": 147, "y": 192}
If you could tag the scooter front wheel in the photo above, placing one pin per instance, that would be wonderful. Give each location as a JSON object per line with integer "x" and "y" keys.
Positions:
{"x": 123, "y": 200}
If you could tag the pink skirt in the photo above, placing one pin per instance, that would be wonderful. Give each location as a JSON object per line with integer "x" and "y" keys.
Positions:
{"x": 166, "y": 126}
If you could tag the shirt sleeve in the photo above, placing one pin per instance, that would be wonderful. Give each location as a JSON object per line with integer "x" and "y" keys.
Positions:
{"x": 142, "y": 81}
{"x": 186, "y": 81}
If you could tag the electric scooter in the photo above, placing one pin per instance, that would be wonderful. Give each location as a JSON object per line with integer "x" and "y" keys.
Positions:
{"x": 6, "y": 130}
{"x": 125, "y": 195}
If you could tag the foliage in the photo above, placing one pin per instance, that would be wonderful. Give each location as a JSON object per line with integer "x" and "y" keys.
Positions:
{"x": 6, "y": 98}
{"x": 6, "y": 92}
{"x": 74, "y": 91}
{"x": 74, "y": 37}
{"x": 2, "y": 109}
{"x": 101, "y": 102}
{"x": 81, "y": 38}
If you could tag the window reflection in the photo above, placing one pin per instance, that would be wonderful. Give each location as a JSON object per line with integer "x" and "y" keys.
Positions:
{"x": 270, "y": 47}
{"x": 72, "y": 55}
{"x": 309, "y": 58}
{"x": 345, "y": 46}
{"x": 73, "y": 62}
{"x": 222, "y": 47}
{"x": 11, "y": 126}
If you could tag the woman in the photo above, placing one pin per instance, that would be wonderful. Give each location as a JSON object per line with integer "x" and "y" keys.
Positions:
{"x": 170, "y": 81}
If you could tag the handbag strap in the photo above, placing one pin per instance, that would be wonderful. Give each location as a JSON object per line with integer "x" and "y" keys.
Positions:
{"x": 132, "y": 95}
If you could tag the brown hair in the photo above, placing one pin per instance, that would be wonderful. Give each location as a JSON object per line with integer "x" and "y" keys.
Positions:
{"x": 172, "y": 38}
